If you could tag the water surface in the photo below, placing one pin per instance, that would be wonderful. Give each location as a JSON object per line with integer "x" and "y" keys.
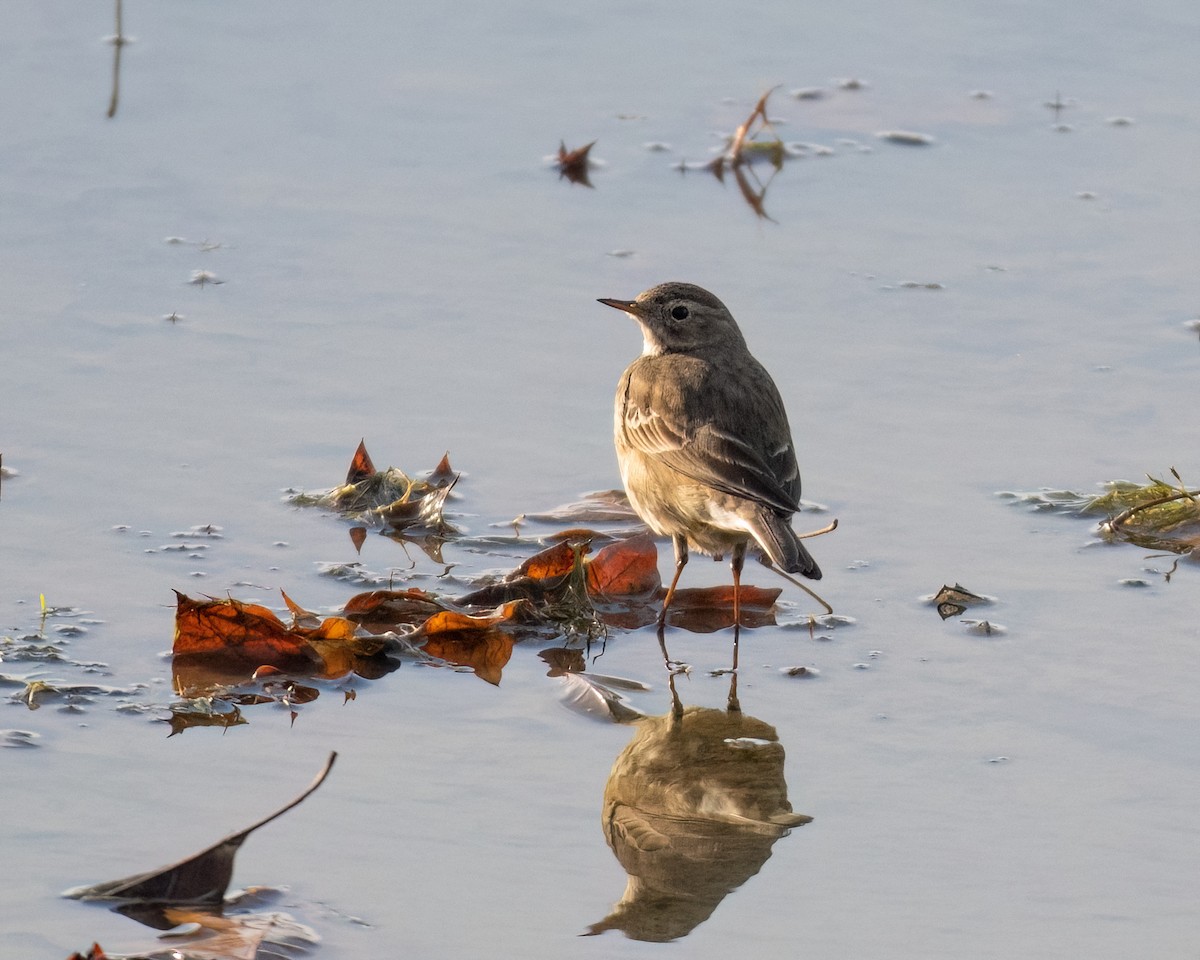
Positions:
{"x": 399, "y": 262}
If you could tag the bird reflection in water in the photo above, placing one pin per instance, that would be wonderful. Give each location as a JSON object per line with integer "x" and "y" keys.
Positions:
{"x": 692, "y": 808}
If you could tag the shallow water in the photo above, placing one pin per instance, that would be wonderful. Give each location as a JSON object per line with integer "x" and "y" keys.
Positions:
{"x": 400, "y": 263}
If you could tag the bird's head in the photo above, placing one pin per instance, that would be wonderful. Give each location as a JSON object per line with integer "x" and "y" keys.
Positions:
{"x": 681, "y": 318}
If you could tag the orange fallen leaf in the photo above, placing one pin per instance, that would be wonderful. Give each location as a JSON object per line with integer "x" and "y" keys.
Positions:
{"x": 392, "y": 606}
{"x": 708, "y": 609}
{"x": 246, "y": 632}
{"x": 749, "y": 598}
{"x": 299, "y": 614}
{"x": 452, "y": 621}
{"x": 229, "y": 636}
{"x": 485, "y": 651}
{"x": 627, "y": 568}
{"x": 554, "y": 561}
{"x": 361, "y": 466}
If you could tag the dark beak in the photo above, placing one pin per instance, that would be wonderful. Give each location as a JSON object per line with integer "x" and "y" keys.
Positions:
{"x": 629, "y": 306}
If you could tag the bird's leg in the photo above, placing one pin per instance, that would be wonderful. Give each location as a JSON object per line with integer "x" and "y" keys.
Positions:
{"x": 736, "y": 564}
{"x": 681, "y": 559}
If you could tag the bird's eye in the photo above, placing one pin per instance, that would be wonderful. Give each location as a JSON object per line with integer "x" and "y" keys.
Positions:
{"x": 680, "y": 312}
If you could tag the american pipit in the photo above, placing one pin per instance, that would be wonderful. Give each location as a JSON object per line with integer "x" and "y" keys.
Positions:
{"x": 702, "y": 438}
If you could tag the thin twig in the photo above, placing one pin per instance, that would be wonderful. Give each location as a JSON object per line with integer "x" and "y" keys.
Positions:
{"x": 1124, "y": 515}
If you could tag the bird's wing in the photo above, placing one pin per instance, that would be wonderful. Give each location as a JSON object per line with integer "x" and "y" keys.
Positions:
{"x": 663, "y": 419}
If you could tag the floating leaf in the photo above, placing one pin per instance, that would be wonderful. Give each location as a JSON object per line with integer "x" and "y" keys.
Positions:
{"x": 232, "y": 630}
{"x": 361, "y": 466}
{"x": 708, "y": 609}
{"x": 554, "y": 561}
{"x": 626, "y": 569}
{"x": 486, "y": 651}
{"x": 200, "y": 879}
{"x": 601, "y": 506}
{"x": 451, "y": 621}
{"x": 393, "y": 606}
{"x": 908, "y": 138}
{"x": 222, "y": 641}
{"x": 951, "y": 601}
{"x": 574, "y": 164}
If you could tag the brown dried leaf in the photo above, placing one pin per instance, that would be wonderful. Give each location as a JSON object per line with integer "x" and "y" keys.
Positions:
{"x": 708, "y": 609}
{"x": 232, "y": 630}
{"x": 552, "y": 562}
{"x": 392, "y": 606}
{"x": 443, "y": 472}
{"x": 361, "y": 466}
{"x": 486, "y": 651}
{"x": 951, "y": 601}
{"x": 573, "y": 164}
{"x": 626, "y": 569}
{"x": 452, "y": 621}
{"x": 201, "y": 878}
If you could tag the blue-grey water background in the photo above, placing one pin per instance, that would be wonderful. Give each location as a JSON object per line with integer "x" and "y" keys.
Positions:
{"x": 400, "y": 262}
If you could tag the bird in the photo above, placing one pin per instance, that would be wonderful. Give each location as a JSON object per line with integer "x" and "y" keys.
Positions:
{"x": 702, "y": 438}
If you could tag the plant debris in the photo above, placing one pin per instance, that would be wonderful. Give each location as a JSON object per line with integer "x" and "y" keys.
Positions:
{"x": 389, "y": 498}
{"x": 1156, "y": 515}
{"x": 573, "y": 165}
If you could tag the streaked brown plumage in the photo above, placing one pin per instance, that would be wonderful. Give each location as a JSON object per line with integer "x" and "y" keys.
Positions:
{"x": 702, "y": 437}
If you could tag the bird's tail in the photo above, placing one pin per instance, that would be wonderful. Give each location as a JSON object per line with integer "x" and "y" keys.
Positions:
{"x": 779, "y": 542}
